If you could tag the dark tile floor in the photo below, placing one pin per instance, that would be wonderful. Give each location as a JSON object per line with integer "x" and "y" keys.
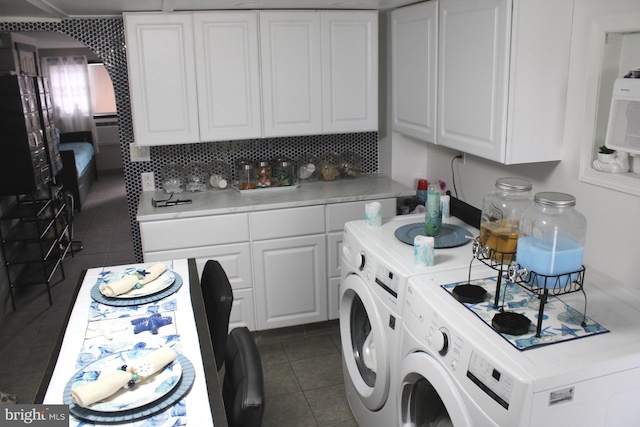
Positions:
{"x": 302, "y": 364}
{"x": 304, "y": 385}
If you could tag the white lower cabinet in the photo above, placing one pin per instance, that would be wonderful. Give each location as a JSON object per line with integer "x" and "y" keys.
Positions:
{"x": 236, "y": 261}
{"x": 334, "y": 262}
{"x": 290, "y": 281}
{"x": 283, "y": 264}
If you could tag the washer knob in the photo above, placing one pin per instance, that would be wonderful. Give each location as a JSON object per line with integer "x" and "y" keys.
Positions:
{"x": 440, "y": 341}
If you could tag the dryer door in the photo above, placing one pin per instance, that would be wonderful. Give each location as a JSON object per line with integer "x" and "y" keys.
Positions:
{"x": 428, "y": 396}
{"x": 364, "y": 344}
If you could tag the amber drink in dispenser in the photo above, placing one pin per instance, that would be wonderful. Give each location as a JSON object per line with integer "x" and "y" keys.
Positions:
{"x": 501, "y": 211}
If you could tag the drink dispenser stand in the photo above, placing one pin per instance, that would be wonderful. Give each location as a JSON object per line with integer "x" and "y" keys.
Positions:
{"x": 566, "y": 223}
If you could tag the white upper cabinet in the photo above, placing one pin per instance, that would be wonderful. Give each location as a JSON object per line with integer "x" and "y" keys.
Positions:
{"x": 502, "y": 78}
{"x": 414, "y": 33}
{"x": 350, "y": 71}
{"x": 228, "y": 75}
{"x": 223, "y": 75}
{"x": 291, "y": 73}
{"x": 319, "y": 72}
{"x": 162, "y": 81}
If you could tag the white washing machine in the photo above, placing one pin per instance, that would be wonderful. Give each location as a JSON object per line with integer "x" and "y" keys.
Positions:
{"x": 375, "y": 269}
{"x": 456, "y": 370}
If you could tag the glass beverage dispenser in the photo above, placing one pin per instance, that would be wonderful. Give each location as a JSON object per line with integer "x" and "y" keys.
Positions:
{"x": 552, "y": 235}
{"x": 501, "y": 210}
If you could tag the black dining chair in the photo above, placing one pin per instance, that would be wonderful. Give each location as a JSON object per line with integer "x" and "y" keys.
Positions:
{"x": 243, "y": 384}
{"x": 218, "y": 299}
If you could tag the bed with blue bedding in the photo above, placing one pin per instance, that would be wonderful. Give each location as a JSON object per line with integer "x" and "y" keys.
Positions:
{"x": 79, "y": 165}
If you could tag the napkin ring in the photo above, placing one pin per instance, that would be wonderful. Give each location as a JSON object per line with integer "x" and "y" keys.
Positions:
{"x": 138, "y": 373}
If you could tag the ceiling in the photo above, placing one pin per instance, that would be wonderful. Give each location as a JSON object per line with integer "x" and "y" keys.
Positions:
{"x": 21, "y": 10}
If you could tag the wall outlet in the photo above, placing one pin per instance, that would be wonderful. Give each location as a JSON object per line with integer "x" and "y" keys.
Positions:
{"x": 148, "y": 183}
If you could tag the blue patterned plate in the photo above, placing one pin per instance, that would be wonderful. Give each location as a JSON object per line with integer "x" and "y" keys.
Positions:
{"x": 96, "y": 295}
{"x": 143, "y": 393}
{"x": 142, "y": 412}
{"x": 165, "y": 280}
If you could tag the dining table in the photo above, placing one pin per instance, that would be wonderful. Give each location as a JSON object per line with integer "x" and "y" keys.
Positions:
{"x": 101, "y": 332}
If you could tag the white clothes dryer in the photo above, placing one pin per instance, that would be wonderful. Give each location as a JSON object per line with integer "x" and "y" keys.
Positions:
{"x": 456, "y": 370}
{"x": 374, "y": 273}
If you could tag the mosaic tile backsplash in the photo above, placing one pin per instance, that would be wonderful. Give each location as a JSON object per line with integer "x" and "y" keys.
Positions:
{"x": 105, "y": 37}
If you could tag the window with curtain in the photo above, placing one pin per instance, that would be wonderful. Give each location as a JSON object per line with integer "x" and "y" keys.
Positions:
{"x": 70, "y": 92}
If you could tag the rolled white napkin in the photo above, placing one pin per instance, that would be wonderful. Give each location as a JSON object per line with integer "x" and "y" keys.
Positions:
{"x": 129, "y": 282}
{"x": 110, "y": 382}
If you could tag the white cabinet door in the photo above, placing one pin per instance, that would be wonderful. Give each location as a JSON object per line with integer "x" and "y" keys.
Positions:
{"x": 162, "y": 82}
{"x": 472, "y": 75}
{"x": 414, "y": 33}
{"x": 291, "y": 73}
{"x": 290, "y": 285}
{"x": 349, "y": 71}
{"x": 498, "y": 97}
{"x": 228, "y": 75}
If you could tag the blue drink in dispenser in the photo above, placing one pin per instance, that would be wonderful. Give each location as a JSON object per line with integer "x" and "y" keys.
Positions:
{"x": 551, "y": 238}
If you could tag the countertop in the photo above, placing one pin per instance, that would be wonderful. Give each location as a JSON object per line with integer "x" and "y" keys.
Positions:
{"x": 229, "y": 200}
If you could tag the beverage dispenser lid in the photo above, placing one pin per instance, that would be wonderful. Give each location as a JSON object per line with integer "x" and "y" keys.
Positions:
{"x": 513, "y": 184}
{"x": 550, "y": 198}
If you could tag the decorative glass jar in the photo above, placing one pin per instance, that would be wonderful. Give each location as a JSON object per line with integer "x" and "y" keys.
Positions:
{"x": 501, "y": 211}
{"x": 330, "y": 167}
{"x": 283, "y": 173}
{"x": 173, "y": 178}
{"x": 552, "y": 235}
{"x": 197, "y": 177}
{"x": 350, "y": 164}
{"x": 263, "y": 174}
{"x": 307, "y": 167}
{"x": 220, "y": 174}
{"x": 246, "y": 173}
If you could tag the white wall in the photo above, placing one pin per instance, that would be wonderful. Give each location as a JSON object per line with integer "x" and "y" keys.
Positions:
{"x": 613, "y": 218}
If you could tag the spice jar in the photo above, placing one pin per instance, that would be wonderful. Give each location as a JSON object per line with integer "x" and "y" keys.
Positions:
{"x": 552, "y": 234}
{"x": 263, "y": 174}
{"x": 246, "y": 172}
{"x": 501, "y": 211}
{"x": 283, "y": 173}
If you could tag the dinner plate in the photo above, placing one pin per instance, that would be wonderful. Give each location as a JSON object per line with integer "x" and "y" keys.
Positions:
{"x": 165, "y": 280}
{"x": 142, "y": 412}
{"x": 96, "y": 295}
{"x": 153, "y": 388}
{"x": 451, "y": 235}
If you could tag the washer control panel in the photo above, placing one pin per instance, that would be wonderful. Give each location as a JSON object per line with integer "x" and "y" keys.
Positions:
{"x": 497, "y": 384}
{"x": 388, "y": 280}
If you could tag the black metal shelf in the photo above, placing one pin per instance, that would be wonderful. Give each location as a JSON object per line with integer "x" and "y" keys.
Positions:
{"x": 539, "y": 284}
{"x": 35, "y": 237}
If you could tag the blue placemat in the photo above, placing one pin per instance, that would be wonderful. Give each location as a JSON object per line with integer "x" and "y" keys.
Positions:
{"x": 561, "y": 322}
